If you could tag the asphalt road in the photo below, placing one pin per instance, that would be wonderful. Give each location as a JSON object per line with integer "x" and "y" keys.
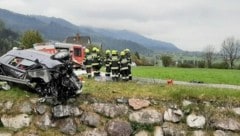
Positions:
{"x": 159, "y": 81}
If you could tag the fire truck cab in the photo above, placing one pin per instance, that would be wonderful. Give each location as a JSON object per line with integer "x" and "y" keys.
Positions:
{"x": 76, "y": 51}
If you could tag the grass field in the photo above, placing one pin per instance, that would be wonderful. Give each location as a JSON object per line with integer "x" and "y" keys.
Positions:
{"x": 15, "y": 94}
{"x": 109, "y": 91}
{"x": 218, "y": 76}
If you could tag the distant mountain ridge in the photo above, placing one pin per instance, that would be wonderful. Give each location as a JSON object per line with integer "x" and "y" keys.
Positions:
{"x": 131, "y": 36}
{"x": 54, "y": 28}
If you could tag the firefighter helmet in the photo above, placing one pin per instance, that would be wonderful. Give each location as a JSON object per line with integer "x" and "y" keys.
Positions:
{"x": 97, "y": 50}
{"x": 108, "y": 51}
{"x": 86, "y": 50}
{"x": 122, "y": 53}
{"x": 94, "y": 49}
{"x": 127, "y": 50}
{"x": 114, "y": 52}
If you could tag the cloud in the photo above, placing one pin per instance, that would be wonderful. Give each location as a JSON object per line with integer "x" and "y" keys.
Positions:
{"x": 189, "y": 24}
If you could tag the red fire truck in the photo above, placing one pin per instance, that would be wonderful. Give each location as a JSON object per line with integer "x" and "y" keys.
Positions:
{"x": 76, "y": 51}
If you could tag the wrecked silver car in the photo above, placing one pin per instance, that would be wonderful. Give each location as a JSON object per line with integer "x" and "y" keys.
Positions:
{"x": 48, "y": 75}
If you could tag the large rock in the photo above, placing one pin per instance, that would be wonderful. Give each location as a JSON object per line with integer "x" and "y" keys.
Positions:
{"x": 68, "y": 126}
{"x": 110, "y": 110}
{"x": 142, "y": 133}
{"x": 186, "y": 103}
{"x": 119, "y": 128}
{"x": 171, "y": 129}
{"x": 94, "y": 132}
{"x": 41, "y": 109}
{"x": 122, "y": 100}
{"x": 90, "y": 119}
{"x": 137, "y": 104}
{"x": 158, "y": 131}
{"x": 75, "y": 111}
{"x": 7, "y": 106}
{"x": 34, "y": 100}
{"x": 16, "y": 122}
{"x": 26, "y": 107}
{"x": 236, "y": 110}
{"x": 227, "y": 124}
{"x": 173, "y": 115}
{"x": 194, "y": 121}
{"x": 219, "y": 133}
{"x": 146, "y": 116}
{"x": 5, "y": 134}
{"x": 44, "y": 121}
{"x": 66, "y": 110}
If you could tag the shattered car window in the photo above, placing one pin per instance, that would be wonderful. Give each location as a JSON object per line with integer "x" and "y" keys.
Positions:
{"x": 25, "y": 64}
{"x": 15, "y": 61}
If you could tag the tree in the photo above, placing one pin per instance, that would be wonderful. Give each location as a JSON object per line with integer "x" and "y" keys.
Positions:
{"x": 209, "y": 55}
{"x": 166, "y": 60}
{"x": 30, "y": 37}
{"x": 2, "y": 25}
{"x": 8, "y": 39}
{"x": 137, "y": 55}
{"x": 230, "y": 51}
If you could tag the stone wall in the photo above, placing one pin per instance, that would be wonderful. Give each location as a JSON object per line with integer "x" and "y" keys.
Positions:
{"x": 121, "y": 117}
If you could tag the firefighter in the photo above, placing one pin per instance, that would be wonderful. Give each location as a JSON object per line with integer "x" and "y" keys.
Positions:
{"x": 114, "y": 64}
{"x": 99, "y": 61}
{"x": 88, "y": 63}
{"x": 107, "y": 62}
{"x": 96, "y": 62}
{"x": 124, "y": 66}
{"x": 128, "y": 55}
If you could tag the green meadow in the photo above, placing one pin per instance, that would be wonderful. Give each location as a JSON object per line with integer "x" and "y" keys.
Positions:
{"x": 109, "y": 91}
{"x": 216, "y": 76}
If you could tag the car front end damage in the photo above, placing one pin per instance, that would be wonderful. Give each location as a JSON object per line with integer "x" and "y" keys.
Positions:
{"x": 49, "y": 76}
{"x": 59, "y": 82}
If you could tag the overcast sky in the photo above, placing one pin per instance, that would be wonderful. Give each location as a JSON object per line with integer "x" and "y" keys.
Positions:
{"x": 189, "y": 24}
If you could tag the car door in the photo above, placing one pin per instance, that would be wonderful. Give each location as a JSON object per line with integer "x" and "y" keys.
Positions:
{"x": 11, "y": 68}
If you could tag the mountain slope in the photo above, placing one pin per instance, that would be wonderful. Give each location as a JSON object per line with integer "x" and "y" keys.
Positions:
{"x": 8, "y": 39}
{"x": 134, "y": 37}
{"x": 58, "y": 29}
{"x": 20, "y": 23}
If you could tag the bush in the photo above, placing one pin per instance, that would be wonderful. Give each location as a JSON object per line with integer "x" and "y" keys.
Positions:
{"x": 222, "y": 65}
{"x": 166, "y": 60}
{"x": 186, "y": 64}
{"x": 201, "y": 64}
{"x": 30, "y": 37}
{"x": 238, "y": 67}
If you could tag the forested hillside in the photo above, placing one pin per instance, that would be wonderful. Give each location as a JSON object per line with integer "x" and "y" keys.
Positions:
{"x": 8, "y": 39}
{"x": 53, "y": 28}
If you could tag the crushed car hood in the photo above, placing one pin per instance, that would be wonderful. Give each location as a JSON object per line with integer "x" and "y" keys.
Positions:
{"x": 33, "y": 55}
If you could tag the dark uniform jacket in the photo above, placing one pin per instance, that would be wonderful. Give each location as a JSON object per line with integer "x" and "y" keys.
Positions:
{"x": 124, "y": 63}
{"x": 115, "y": 63}
{"x": 88, "y": 61}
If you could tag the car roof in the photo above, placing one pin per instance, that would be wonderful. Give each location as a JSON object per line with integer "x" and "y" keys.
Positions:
{"x": 30, "y": 54}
